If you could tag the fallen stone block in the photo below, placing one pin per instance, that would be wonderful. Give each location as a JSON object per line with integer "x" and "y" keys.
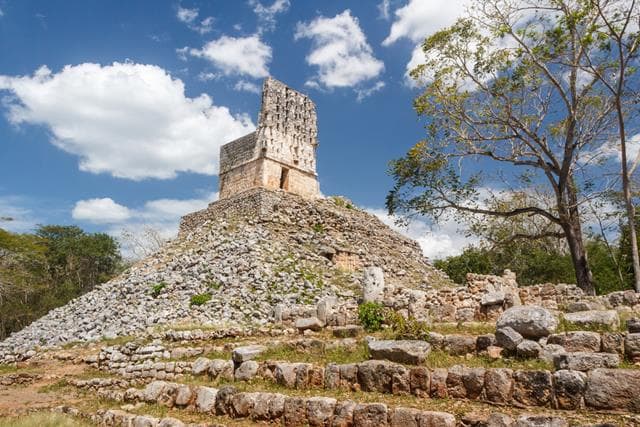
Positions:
{"x": 585, "y": 361}
{"x": 370, "y": 415}
{"x": 605, "y": 319}
{"x": 248, "y": 352}
{"x": 531, "y": 322}
{"x": 411, "y": 352}
{"x": 349, "y": 331}
{"x": 508, "y": 338}
{"x": 309, "y": 323}
{"x": 528, "y": 349}
{"x": 577, "y": 341}
{"x": 206, "y": 399}
{"x": 246, "y": 371}
{"x": 569, "y": 388}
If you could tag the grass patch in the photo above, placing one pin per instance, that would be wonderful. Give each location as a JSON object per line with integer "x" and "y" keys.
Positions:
{"x": 43, "y": 419}
{"x": 339, "y": 355}
{"x": 566, "y": 326}
{"x": 200, "y": 299}
{"x": 442, "y": 359}
{"x": 157, "y": 289}
{"x": 54, "y": 387}
{"x": 226, "y": 355}
{"x": 463, "y": 328}
{"x": 8, "y": 369}
{"x": 118, "y": 340}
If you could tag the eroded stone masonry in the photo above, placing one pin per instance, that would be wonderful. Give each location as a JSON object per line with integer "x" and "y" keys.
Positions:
{"x": 280, "y": 153}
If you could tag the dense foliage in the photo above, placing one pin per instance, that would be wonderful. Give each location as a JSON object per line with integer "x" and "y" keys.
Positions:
{"x": 534, "y": 263}
{"x": 46, "y": 269}
{"x": 371, "y": 316}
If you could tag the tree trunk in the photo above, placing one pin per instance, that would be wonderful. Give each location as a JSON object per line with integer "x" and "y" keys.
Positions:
{"x": 584, "y": 278}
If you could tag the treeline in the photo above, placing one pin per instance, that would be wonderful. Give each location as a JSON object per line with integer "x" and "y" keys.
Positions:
{"x": 43, "y": 270}
{"x": 545, "y": 261}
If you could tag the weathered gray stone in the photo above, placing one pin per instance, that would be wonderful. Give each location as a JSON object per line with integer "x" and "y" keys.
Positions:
{"x": 221, "y": 369}
{"x": 613, "y": 389}
{"x": 184, "y": 396}
{"x": 606, "y": 319}
{"x": 171, "y": 422}
{"x": 320, "y": 411}
{"x": 206, "y": 399}
{"x": 145, "y": 421}
{"x": 435, "y": 419}
{"x": 633, "y": 325}
{"x": 540, "y": 421}
{"x": 485, "y": 341}
{"x": 549, "y": 351}
{"x": 403, "y": 417}
{"x": 585, "y": 361}
{"x": 533, "y": 388}
{"x": 576, "y": 341}
{"x": 528, "y": 349}
{"x": 242, "y": 404}
{"x": 246, "y": 371}
{"x": 295, "y": 411}
{"x": 247, "y": 352}
{"x": 612, "y": 342}
{"x": 508, "y": 338}
{"x": 419, "y": 381}
{"x": 343, "y": 414}
{"x": 411, "y": 352}
{"x": 459, "y": 345}
{"x": 373, "y": 284}
{"x": 492, "y": 298}
{"x": 325, "y": 308}
{"x": 569, "y": 389}
{"x": 499, "y": 420}
{"x": 529, "y": 321}
{"x": 268, "y": 406}
{"x": 632, "y": 346}
{"x": 153, "y": 390}
{"x": 200, "y": 366}
{"x": 309, "y": 323}
{"x": 499, "y": 385}
{"x": 370, "y": 415}
{"x": 383, "y": 377}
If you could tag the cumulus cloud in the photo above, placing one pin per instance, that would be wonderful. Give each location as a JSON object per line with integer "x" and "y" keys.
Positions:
{"x": 100, "y": 211}
{"x": 366, "y": 92}
{"x": 245, "y": 86}
{"x": 134, "y": 226}
{"x": 383, "y": 9}
{"x": 339, "y": 50}
{"x": 129, "y": 120}
{"x": 247, "y": 56}
{"x": 437, "y": 241}
{"x": 418, "y": 19}
{"x": 189, "y": 17}
{"x": 267, "y": 14}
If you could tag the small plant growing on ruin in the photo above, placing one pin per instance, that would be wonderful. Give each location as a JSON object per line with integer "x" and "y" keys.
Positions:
{"x": 200, "y": 299}
{"x": 215, "y": 285}
{"x": 406, "y": 328}
{"x": 318, "y": 228}
{"x": 157, "y": 289}
{"x": 371, "y": 316}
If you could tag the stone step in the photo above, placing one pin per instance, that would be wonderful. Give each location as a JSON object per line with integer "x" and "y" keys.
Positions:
{"x": 297, "y": 409}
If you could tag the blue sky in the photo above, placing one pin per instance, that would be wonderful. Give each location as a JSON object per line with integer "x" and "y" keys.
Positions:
{"x": 112, "y": 112}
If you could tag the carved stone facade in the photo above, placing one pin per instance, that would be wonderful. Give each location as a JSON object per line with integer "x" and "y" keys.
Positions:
{"x": 281, "y": 153}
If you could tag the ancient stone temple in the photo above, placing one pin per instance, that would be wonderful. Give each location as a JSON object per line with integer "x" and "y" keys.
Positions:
{"x": 280, "y": 153}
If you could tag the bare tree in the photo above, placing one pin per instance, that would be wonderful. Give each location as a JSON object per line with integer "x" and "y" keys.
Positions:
{"x": 503, "y": 89}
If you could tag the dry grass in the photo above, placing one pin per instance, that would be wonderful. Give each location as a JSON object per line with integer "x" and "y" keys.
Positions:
{"x": 43, "y": 419}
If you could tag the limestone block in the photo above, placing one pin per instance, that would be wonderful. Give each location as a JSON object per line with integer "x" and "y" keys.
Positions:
{"x": 309, "y": 323}
{"x": 412, "y": 352}
{"x": 577, "y": 341}
{"x": 343, "y": 414}
{"x": 508, "y": 338}
{"x": 320, "y": 411}
{"x": 570, "y": 387}
{"x": 459, "y": 345}
{"x": 540, "y": 420}
{"x": 246, "y": 371}
{"x": 373, "y": 284}
{"x": 529, "y": 321}
{"x": 594, "y": 318}
{"x": 585, "y": 361}
{"x": 613, "y": 389}
{"x": 533, "y": 388}
{"x": 248, "y": 352}
{"x": 370, "y": 415}
{"x": 528, "y": 349}
{"x": 295, "y": 412}
{"x": 206, "y": 399}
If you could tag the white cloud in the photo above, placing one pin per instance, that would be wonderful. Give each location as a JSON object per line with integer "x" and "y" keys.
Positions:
{"x": 158, "y": 218}
{"x": 129, "y": 120}
{"x": 205, "y": 77}
{"x": 437, "y": 241}
{"x": 237, "y": 55}
{"x": 1, "y": 13}
{"x": 267, "y": 14}
{"x": 100, "y": 211}
{"x": 418, "y": 19}
{"x": 245, "y": 86}
{"x": 611, "y": 151}
{"x": 383, "y": 8}
{"x": 189, "y": 17}
{"x": 340, "y": 51}
{"x": 363, "y": 93}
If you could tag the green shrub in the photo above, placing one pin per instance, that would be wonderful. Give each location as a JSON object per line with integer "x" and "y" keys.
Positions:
{"x": 371, "y": 316}
{"x": 318, "y": 228}
{"x": 406, "y": 328}
{"x": 157, "y": 289}
{"x": 215, "y": 285}
{"x": 200, "y": 299}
